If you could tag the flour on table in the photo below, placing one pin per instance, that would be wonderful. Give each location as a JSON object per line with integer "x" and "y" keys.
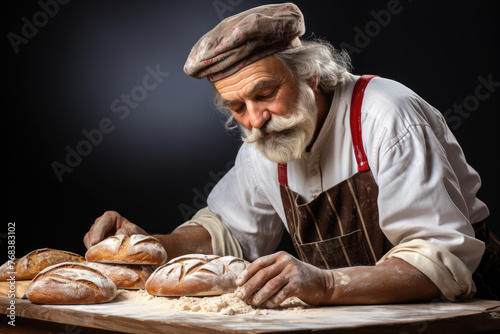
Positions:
{"x": 226, "y": 304}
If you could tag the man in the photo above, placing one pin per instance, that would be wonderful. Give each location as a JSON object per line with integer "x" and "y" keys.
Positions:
{"x": 364, "y": 175}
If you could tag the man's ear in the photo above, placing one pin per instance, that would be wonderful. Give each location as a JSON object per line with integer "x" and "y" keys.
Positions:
{"x": 313, "y": 83}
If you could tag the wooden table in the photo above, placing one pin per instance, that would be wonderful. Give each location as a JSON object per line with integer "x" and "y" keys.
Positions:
{"x": 473, "y": 316}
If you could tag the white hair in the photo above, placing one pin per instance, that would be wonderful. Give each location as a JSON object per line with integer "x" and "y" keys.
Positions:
{"x": 315, "y": 60}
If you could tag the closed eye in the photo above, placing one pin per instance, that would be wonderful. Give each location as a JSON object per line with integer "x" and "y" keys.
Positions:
{"x": 269, "y": 95}
{"x": 237, "y": 108}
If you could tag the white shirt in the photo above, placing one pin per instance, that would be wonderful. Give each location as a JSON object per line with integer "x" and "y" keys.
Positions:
{"x": 427, "y": 191}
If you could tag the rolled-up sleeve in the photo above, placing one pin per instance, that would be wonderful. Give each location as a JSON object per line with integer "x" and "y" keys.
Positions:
{"x": 444, "y": 269}
{"x": 223, "y": 242}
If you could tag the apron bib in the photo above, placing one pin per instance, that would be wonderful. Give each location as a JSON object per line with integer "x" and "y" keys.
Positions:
{"x": 339, "y": 228}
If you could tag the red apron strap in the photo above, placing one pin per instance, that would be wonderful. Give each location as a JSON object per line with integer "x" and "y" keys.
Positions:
{"x": 355, "y": 119}
{"x": 282, "y": 174}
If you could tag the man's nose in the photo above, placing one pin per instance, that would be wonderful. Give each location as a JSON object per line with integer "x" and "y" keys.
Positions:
{"x": 258, "y": 115}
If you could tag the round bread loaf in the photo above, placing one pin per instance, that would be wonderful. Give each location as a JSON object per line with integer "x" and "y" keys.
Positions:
{"x": 70, "y": 283}
{"x": 34, "y": 262}
{"x": 125, "y": 276}
{"x": 136, "y": 249}
{"x": 196, "y": 275}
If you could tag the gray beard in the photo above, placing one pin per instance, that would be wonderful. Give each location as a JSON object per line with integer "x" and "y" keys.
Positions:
{"x": 291, "y": 135}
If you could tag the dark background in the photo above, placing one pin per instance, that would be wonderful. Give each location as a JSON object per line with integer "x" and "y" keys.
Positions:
{"x": 160, "y": 161}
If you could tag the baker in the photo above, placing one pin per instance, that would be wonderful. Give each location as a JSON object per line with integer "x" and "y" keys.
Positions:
{"x": 363, "y": 173}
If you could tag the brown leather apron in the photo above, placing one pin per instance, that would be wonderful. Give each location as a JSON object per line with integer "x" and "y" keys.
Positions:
{"x": 487, "y": 274}
{"x": 340, "y": 227}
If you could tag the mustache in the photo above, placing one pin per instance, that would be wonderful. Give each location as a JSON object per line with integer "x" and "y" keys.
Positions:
{"x": 277, "y": 124}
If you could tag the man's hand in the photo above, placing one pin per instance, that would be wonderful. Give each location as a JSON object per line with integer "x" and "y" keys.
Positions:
{"x": 271, "y": 279}
{"x": 110, "y": 223}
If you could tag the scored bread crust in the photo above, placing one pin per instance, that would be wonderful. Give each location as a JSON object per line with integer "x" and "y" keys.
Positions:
{"x": 196, "y": 275}
{"x": 34, "y": 262}
{"x": 125, "y": 276}
{"x": 70, "y": 283}
{"x": 123, "y": 249}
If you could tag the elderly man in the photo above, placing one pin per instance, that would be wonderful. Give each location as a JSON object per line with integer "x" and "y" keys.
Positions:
{"x": 362, "y": 172}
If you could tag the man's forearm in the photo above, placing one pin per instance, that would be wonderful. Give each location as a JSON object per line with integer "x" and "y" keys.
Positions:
{"x": 394, "y": 281}
{"x": 186, "y": 240}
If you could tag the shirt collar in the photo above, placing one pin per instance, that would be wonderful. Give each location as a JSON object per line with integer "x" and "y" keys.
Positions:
{"x": 341, "y": 100}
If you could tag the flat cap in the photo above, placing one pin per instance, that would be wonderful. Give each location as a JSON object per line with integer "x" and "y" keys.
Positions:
{"x": 244, "y": 38}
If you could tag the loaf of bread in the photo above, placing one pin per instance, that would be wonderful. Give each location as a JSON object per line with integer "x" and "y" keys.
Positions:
{"x": 8, "y": 269}
{"x": 196, "y": 275}
{"x": 136, "y": 249}
{"x": 125, "y": 276}
{"x": 71, "y": 283}
{"x": 32, "y": 263}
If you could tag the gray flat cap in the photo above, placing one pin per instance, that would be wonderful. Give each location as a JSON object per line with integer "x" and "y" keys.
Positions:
{"x": 244, "y": 38}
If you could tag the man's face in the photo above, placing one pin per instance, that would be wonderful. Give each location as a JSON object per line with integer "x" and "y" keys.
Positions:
{"x": 275, "y": 111}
